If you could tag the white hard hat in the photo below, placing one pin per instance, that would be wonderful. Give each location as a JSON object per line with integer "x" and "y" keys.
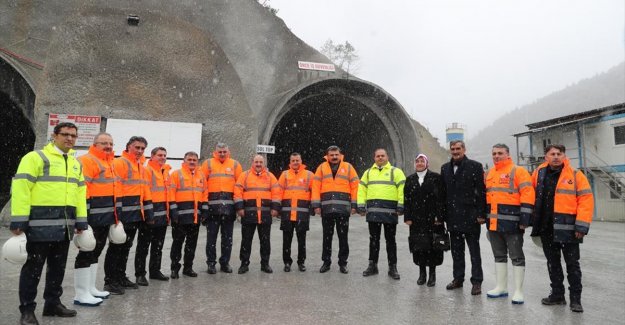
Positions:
{"x": 537, "y": 241}
{"x": 117, "y": 235}
{"x": 14, "y": 249}
{"x": 85, "y": 241}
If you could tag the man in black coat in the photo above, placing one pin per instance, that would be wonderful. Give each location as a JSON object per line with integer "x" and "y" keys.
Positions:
{"x": 465, "y": 210}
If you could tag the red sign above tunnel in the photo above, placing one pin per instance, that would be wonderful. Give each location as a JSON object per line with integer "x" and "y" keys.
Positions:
{"x": 88, "y": 126}
{"x": 315, "y": 66}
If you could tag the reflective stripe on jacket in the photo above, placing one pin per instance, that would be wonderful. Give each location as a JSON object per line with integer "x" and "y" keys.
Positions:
{"x": 220, "y": 179}
{"x": 573, "y": 202}
{"x": 48, "y": 196}
{"x": 104, "y": 189}
{"x": 191, "y": 195}
{"x": 257, "y": 195}
{"x": 163, "y": 193}
{"x": 335, "y": 194}
{"x": 136, "y": 197}
{"x": 295, "y": 192}
{"x": 381, "y": 193}
{"x": 509, "y": 197}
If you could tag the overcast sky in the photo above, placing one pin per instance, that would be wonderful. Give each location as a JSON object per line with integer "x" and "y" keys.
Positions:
{"x": 466, "y": 61}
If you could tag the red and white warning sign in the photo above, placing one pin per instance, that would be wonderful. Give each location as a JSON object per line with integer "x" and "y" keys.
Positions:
{"x": 88, "y": 126}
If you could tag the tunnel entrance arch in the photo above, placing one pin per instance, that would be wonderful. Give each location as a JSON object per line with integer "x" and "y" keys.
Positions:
{"x": 353, "y": 114}
{"x": 17, "y": 102}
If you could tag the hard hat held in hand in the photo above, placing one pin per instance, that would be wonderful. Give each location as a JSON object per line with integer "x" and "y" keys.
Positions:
{"x": 117, "y": 235}
{"x": 14, "y": 250}
{"x": 85, "y": 241}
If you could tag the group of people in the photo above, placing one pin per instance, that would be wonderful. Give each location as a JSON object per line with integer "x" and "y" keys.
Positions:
{"x": 56, "y": 196}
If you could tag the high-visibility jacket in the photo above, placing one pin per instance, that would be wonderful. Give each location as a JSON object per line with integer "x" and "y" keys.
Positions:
{"x": 295, "y": 191}
{"x": 509, "y": 197}
{"x": 48, "y": 196}
{"x": 335, "y": 194}
{"x": 163, "y": 193}
{"x": 191, "y": 195}
{"x": 104, "y": 189}
{"x": 573, "y": 202}
{"x": 221, "y": 178}
{"x": 258, "y": 195}
{"x": 136, "y": 196}
{"x": 381, "y": 193}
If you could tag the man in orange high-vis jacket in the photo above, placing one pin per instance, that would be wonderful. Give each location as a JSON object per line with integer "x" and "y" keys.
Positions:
{"x": 562, "y": 216}
{"x": 295, "y": 190}
{"x": 136, "y": 207}
{"x": 221, "y": 173}
{"x": 103, "y": 208}
{"x": 256, "y": 200}
{"x": 191, "y": 202}
{"x": 334, "y": 193}
{"x": 509, "y": 204}
{"x": 152, "y": 232}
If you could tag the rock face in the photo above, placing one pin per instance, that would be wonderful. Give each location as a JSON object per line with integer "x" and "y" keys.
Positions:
{"x": 230, "y": 65}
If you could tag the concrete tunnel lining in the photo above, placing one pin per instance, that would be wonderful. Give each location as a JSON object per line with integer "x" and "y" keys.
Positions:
{"x": 356, "y": 115}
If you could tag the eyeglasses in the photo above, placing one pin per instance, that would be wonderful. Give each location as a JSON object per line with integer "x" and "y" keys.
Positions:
{"x": 69, "y": 135}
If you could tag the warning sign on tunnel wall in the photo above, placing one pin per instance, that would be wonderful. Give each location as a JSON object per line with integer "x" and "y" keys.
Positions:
{"x": 88, "y": 126}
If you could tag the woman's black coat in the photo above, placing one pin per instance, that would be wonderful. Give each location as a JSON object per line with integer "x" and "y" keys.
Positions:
{"x": 423, "y": 203}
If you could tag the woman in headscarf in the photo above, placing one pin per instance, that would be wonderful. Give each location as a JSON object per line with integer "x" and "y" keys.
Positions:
{"x": 424, "y": 210}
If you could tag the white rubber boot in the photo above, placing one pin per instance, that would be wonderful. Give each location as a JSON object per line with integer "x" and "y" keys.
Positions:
{"x": 81, "y": 286}
{"x": 501, "y": 289}
{"x": 519, "y": 276}
{"x": 92, "y": 279}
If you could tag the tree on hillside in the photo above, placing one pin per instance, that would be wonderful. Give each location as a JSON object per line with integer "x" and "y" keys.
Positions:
{"x": 343, "y": 55}
{"x": 265, "y": 4}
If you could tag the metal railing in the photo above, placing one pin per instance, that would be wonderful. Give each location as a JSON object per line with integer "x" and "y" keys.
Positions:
{"x": 605, "y": 173}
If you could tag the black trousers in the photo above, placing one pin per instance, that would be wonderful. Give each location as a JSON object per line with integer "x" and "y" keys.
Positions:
{"x": 457, "y": 254}
{"x": 247, "y": 235}
{"x": 570, "y": 252}
{"x": 179, "y": 233}
{"x": 85, "y": 259}
{"x": 213, "y": 224}
{"x": 55, "y": 253}
{"x": 154, "y": 236}
{"x": 328, "y": 222}
{"x": 375, "y": 230}
{"x": 287, "y": 237}
{"x": 117, "y": 255}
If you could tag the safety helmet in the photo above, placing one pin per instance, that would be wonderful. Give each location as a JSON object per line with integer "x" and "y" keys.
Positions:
{"x": 117, "y": 235}
{"x": 85, "y": 241}
{"x": 14, "y": 249}
{"x": 537, "y": 241}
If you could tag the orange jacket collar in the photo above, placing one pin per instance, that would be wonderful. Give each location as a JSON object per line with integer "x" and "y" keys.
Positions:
{"x": 101, "y": 154}
{"x": 127, "y": 155}
{"x": 185, "y": 167}
{"x": 262, "y": 172}
{"x": 156, "y": 166}
{"x": 503, "y": 164}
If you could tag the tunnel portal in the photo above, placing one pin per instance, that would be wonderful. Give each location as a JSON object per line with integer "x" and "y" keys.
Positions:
{"x": 318, "y": 119}
{"x": 18, "y": 137}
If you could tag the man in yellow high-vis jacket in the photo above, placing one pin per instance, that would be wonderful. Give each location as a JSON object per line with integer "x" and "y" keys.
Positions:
{"x": 48, "y": 202}
{"x": 381, "y": 198}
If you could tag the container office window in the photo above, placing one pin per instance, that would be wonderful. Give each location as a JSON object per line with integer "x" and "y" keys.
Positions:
{"x": 619, "y": 134}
